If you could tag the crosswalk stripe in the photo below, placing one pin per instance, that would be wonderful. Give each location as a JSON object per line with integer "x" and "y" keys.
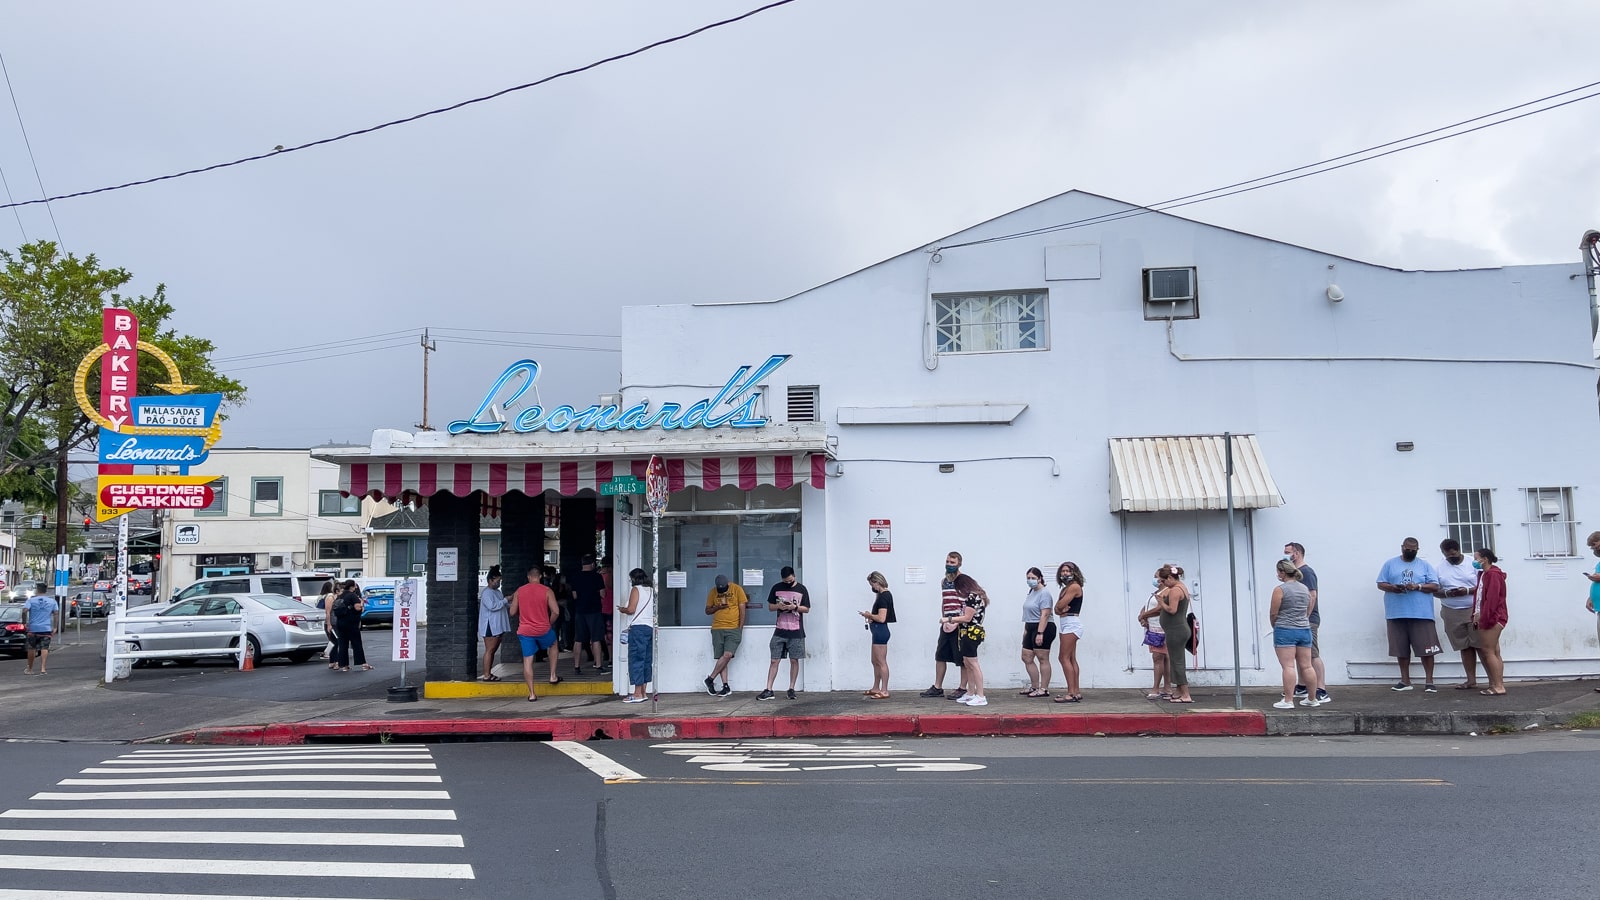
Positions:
{"x": 306, "y": 794}
{"x": 596, "y": 762}
{"x": 232, "y": 750}
{"x": 185, "y": 866}
{"x": 322, "y": 839}
{"x": 260, "y": 767}
{"x": 244, "y": 812}
{"x": 24, "y": 894}
{"x": 245, "y": 779}
{"x": 276, "y": 757}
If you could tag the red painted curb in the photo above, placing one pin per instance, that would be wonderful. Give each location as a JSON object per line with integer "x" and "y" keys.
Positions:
{"x": 1235, "y": 723}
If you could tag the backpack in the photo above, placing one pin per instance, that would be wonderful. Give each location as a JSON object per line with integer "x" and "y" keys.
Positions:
{"x": 1193, "y": 645}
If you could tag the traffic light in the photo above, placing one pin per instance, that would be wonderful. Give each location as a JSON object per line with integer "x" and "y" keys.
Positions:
{"x": 156, "y": 560}
{"x": 86, "y": 521}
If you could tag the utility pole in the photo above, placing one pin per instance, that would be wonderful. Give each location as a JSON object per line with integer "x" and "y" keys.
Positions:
{"x": 427, "y": 348}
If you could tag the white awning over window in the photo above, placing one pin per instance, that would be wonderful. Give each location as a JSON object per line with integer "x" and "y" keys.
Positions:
{"x": 1173, "y": 474}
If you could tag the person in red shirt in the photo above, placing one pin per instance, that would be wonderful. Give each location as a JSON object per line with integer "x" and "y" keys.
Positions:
{"x": 536, "y": 609}
{"x": 1489, "y": 619}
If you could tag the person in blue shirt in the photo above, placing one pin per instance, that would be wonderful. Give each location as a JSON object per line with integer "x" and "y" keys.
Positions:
{"x": 1593, "y": 603}
{"x": 41, "y": 612}
{"x": 1408, "y": 583}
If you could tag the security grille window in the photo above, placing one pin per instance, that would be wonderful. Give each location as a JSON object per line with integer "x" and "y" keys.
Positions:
{"x": 1171, "y": 293}
{"x": 331, "y": 503}
{"x": 219, "y": 502}
{"x": 987, "y": 323}
{"x": 1551, "y": 528}
{"x": 802, "y": 406}
{"x": 266, "y": 496}
{"x": 1468, "y": 517}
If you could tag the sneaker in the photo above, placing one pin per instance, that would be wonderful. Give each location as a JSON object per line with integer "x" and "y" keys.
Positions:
{"x": 1402, "y": 686}
{"x": 932, "y": 692}
{"x": 726, "y": 690}
{"x": 577, "y": 671}
{"x": 957, "y": 694}
{"x": 1430, "y": 689}
{"x": 1322, "y": 696}
{"x": 765, "y": 695}
{"x": 711, "y": 686}
{"x": 790, "y": 693}
{"x": 1300, "y": 690}
{"x": 632, "y": 699}
{"x": 1283, "y": 704}
{"x": 1309, "y": 702}
{"x": 976, "y": 700}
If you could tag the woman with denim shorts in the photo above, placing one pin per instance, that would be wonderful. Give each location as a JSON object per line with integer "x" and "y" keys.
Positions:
{"x": 1291, "y": 635}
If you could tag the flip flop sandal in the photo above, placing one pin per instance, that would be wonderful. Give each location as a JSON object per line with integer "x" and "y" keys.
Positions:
{"x": 1493, "y": 693}
{"x": 1066, "y": 698}
{"x": 1176, "y": 700}
{"x": 556, "y": 680}
{"x": 1466, "y": 687}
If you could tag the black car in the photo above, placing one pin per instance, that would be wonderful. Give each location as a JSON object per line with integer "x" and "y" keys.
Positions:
{"x": 89, "y": 604}
{"x": 13, "y": 631}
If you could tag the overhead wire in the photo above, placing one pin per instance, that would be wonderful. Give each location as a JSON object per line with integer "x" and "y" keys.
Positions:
{"x": 277, "y": 151}
{"x": 291, "y": 362}
{"x": 327, "y": 345}
{"x": 1321, "y": 167}
{"x": 11, "y": 89}
{"x": 14, "y": 210}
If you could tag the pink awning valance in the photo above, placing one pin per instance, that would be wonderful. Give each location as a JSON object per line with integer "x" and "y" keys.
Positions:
{"x": 392, "y": 479}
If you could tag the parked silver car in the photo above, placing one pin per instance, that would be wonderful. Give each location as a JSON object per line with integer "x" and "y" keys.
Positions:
{"x": 275, "y": 626}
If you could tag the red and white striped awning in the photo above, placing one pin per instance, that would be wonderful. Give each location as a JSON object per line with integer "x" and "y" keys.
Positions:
{"x": 394, "y": 479}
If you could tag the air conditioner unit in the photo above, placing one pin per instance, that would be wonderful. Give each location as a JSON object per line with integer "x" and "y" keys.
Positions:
{"x": 610, "y": 400}
{"x": 1168, "y": 285}
{"x": 276, "y": 561}
{"x": 419, "y": 568}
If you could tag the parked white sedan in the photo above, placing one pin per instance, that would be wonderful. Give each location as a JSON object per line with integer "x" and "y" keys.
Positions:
{"x": 275, "y": 626}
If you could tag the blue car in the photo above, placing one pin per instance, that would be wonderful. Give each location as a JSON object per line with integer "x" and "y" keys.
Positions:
{"x": 379, "y": 599}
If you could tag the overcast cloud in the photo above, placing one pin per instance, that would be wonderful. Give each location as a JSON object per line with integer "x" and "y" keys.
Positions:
{"x": 751, "y": 162}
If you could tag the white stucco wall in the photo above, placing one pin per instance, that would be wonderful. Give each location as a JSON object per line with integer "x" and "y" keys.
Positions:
{"x": 1327, "y": 426}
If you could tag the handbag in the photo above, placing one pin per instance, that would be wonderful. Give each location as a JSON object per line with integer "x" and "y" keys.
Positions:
{"x": 1193, "y": 644}
{"x": 1155, "y": 639}
{"x": 972, "y": 631}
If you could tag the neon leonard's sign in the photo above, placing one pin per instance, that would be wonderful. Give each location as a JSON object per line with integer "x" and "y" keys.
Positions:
{"x": 734, "y": 406}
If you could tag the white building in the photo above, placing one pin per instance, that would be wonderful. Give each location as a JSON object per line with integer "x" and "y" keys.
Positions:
{"x": 275, "y": 510}
{"x": 1026, "y": 394}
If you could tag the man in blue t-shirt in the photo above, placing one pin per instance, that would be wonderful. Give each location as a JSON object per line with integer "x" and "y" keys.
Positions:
{"x": 41, "y": 612}
{"x": 1408, "y": 583}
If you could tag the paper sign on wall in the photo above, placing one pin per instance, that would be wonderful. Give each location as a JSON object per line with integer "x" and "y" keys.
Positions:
{"x": 753, "y": 577}
{"x": 446, "y": 562}
{"x": 916, "y": 575}
{"x": 677, "y": 579}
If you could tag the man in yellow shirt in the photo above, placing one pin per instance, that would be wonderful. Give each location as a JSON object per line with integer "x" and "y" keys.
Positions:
{"x": 725, "y": 605}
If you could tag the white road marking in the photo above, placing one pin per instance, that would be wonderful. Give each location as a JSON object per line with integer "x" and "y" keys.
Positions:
{"x": 183, "y": 866}
{"x": 275, "y": 779}
{"x": 354, "y": 748}
{"x": 292, "y": 838}
{"x": 791, "y": 756}
{"x": 22, "y": 894}
{"x": 276, "y": 757}
{"x": 260, "y": 767}
{"x": 104, "y": 812}
{"x": 596, "y": 762}
{"x": 307, "y": 794}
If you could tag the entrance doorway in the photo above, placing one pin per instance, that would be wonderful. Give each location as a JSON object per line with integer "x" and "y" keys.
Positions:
{"x": 1198, "y": 543}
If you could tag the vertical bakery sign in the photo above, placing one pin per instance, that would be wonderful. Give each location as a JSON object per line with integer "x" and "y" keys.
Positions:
{"x": 138, "y": 431}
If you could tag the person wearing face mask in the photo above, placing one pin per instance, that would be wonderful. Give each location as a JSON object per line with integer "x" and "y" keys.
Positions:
{"x": 791, "y": 601}
{"x": 1295, "y": 552}
{"x": 1489, "y": 618}
{"x": 1408, "y": 584}
{"x": 1069, "y": 606}
{"x": 1593, "y": 603}
{"x": 1038, "y": 633}
{"x": 954, "y": 591}
{"x": 1458, "y": 581}
{"x": 1172, "y": 597}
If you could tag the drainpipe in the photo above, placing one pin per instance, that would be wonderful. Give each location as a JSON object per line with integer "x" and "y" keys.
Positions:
{"x": 1590, "y": 248}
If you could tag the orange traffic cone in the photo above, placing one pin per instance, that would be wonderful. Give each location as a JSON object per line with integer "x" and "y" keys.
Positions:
{"x": 249, "y": 661}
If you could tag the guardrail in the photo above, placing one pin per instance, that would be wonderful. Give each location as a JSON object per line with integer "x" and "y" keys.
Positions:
{"x": 116, "y": 633}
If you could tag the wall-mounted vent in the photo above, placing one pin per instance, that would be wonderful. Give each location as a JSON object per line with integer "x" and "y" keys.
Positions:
{"x": 802, "y": 406}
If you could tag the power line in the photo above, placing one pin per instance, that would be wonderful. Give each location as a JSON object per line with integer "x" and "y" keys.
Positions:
{"x": 544, "y": 333}
{"x": 14, "y": 211}
{"x": 523, "y": 344}
{"x": 328, "y": 345}
{"x": 414, "y": 118}
{"x": 1306, "y": 171}
{"x": 29, "y": 144}
{"x": 291, "y": 362}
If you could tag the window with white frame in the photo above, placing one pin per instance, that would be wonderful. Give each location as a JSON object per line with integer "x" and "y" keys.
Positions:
{"x": 1469, "y": 517}
{"x": 985, "y": 323}
{"x": 1552, "y": 531}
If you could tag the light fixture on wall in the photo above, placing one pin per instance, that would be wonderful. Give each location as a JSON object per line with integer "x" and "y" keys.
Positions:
{"x": 947, "y": 468}
{"x": 1404, "y": 446}
{"x": 1334, "y": 292}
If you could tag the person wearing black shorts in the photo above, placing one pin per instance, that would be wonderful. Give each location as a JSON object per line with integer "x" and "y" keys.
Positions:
{"x": 953, "y": 591}
{"x": 589, "y": 622}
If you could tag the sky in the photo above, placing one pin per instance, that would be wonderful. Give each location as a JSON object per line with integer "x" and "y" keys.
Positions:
{"x": 747, "y": 163}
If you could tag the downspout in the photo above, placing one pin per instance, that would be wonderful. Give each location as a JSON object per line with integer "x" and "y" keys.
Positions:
{"x": 1590, "y": 248}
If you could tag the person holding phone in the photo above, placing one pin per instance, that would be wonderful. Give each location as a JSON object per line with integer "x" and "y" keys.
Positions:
{"x": 878, "y": 619}
{"x": 791, "y": 601}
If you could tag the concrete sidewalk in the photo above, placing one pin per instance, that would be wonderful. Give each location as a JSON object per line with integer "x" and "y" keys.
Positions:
{"x": 283, "y": 703}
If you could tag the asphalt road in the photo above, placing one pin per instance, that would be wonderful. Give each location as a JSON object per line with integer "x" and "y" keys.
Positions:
{"x": 1002, "y": 817}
